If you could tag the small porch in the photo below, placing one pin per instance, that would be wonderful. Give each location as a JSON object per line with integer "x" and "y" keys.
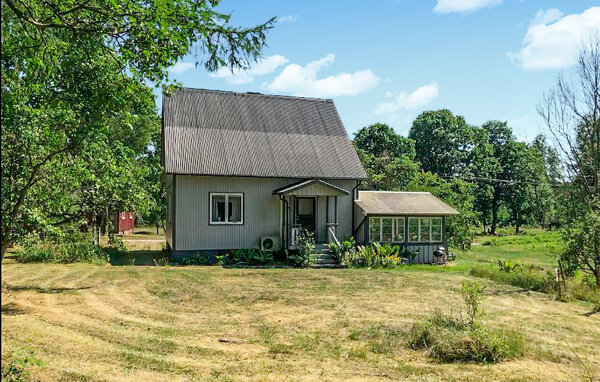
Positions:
{"x": 310, "y": 205}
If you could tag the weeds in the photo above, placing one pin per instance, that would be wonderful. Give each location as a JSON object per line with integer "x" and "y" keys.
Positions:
{"x": 454, "y": 339}
{"x": 17, "y": 369}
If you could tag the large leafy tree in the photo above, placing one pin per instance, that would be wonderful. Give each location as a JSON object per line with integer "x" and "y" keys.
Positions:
{"x": 442, "y": 142}
{"x": 76, "y": 113}
{"x": 571, "y": 111}
{"x": 387, "y": 157}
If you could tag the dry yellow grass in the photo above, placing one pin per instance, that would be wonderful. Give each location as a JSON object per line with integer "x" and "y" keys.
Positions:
{"x": 124, "y": 323}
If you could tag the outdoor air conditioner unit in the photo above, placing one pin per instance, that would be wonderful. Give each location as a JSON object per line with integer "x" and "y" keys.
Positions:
{"x": 270, "y": 243}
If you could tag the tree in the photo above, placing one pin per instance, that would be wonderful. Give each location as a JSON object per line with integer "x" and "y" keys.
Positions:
{"x": 482, "y": 167}
{"x": 387, "y": 157}
{"x": 571, "y": 111}
{"x": 442, "y": 142}
{"x": 458, "y": 194}
{"x": 76, "y": 113}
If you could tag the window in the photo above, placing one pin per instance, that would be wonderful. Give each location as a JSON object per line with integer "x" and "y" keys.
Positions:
{"x": 226, "y": 208}
{"x": 425, "y": 230}
{"x": 386, "y": 229}
{"x": 122, "y": 215}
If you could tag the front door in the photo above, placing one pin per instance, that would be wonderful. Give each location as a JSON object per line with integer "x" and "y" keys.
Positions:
{"x": 305, "y": 213}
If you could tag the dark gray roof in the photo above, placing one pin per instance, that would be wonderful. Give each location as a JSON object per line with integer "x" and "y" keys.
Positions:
{"x": 208, "y": 132}
{"x": 402, "y": 203}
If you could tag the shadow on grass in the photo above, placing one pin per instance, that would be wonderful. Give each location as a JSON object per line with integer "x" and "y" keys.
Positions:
{"x": 140, "y": 257}
{"x": 20, "y": 288}
{"x": 12, "y": 309}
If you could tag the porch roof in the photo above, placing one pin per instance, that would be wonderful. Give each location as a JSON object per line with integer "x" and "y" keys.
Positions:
{"x": 402, "y": 203}
{"x": 311, "y": 187}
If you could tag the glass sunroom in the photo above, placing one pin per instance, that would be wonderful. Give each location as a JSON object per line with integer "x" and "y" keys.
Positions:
{"x": 415, "y": 220}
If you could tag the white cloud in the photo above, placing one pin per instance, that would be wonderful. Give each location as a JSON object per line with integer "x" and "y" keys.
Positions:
{"x": 238, "y": 76}
{"x": 551, "y": 40}
{"x": 302, "y": 80}
{"x": 181, "y": 67}
{"x": 463, "y": 6}
{"x": 418, "y": 98}
{"x": 287, "y": 19}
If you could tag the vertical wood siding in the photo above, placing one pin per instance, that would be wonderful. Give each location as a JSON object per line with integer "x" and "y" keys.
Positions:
{"x": 261, "y": 211}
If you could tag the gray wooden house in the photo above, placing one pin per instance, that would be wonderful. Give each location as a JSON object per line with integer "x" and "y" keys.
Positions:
{"x": 246, "y": 170}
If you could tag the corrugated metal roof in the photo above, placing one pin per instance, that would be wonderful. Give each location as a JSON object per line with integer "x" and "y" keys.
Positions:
{"x": 209, "y": 132}
{"x": 402, "y": 203}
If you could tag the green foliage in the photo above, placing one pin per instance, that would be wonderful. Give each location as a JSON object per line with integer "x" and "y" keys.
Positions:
{"x": 306, "y": 244}
{"x": 387, "y": 157}
{"x": 582, "y": 250}
{"x": 372, "y": 256}
{"x": 77, "y": 116}
{"x": 458, "y": 194}
{"x": 537, "y": 279}
{"x": 67, "y": 248}
{"x": 200, "y": 258}
{"x": 450, "y": 339}
{"x": 442, "y": 142}
{"x": 508, "y": 266}
{"x": 472, "y": 292}
{"x": 343, "y": 249}
{"x": 18, "y": 368}
{"x": 250, "y": 256}
{"x": 529, "y": 278}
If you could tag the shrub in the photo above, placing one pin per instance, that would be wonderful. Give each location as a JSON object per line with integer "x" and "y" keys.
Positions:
{"x": 199, "y": 258}
{"x": 306, "y": 243}
{"x": 250, "y": 256}
{"x": 449, "y": 339}
{"x": 373, "y": 256}
{"x": 68, "y": 248}
{"x": 339, "y": 251}
{"x": 472, "y": 292}
{"x": 508, "y": 266}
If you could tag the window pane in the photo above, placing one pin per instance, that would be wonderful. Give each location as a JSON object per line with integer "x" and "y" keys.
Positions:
{"x": 399, "y": 230}
{"x": 218, "y": 208}
{"x": 425, "y": 226}
{"x": 386, "y": 229}
{"x": 413, "y": 229}
{"x": 436, "y": 229}
{"x": 235, "y": 209}
{"x": 374, "y": 226}
{"x": 305, "y": 206}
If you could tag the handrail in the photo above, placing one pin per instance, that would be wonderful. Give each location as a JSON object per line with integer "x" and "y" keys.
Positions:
{"x": 332, "y": 233}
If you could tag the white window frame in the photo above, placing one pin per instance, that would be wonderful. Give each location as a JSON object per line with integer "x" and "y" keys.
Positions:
{"x": 394, "y": 223}
{"x": 226, "y": 195}
{"x": 431, "y": 219}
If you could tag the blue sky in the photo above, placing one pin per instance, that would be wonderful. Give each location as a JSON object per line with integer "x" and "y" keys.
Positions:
{"x": 389, "y": 60}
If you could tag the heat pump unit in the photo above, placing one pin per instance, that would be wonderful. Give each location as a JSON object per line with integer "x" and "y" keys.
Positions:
{"x": 270, "y": 243}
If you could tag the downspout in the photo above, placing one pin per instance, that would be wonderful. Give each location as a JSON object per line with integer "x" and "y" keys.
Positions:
{"x": 354, "y": 192}
{"x": 285, "y": 220}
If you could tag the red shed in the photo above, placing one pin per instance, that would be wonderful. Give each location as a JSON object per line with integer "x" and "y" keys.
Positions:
{"x": 124, "y": 222}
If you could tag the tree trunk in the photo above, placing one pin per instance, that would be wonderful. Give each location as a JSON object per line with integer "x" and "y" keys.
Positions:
{"x": 517, "y": 224}
{"x": 157, "y": 228}
{"x": 494, "y": 219}
{"x": 5, "y": 246}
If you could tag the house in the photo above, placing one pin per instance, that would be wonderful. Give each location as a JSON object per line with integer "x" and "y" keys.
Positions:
{"x": 245, "y": 169}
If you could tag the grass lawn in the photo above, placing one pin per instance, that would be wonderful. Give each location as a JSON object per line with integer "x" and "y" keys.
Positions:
{"x": 533, "y": 246}
{"x": 128, "y": 323}
{"x": 119, "y": 323}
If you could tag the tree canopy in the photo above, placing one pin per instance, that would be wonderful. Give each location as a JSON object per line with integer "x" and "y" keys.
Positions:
{"x": 77, "y": 115}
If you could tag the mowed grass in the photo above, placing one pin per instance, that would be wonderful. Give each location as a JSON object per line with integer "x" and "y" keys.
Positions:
{"x": 131, "y": 323}
{"x": 531, "y": 246}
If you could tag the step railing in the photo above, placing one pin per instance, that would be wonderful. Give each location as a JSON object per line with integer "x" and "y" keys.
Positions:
{"x": 331, "y": 233}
